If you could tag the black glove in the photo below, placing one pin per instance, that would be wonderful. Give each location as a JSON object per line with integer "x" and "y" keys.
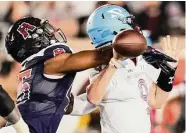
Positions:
{"x": 158, "y": 59}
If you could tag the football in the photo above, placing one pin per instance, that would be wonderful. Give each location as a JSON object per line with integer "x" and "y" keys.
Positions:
{"x": 129, "y": 43}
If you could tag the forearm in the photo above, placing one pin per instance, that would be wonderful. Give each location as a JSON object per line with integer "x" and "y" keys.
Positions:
{"x": 157, "y": 97}
{"x": 81, "y": 61}
{"x": 162, "y": 84}
{"x": 76, "y": 62}
{"x": 160, "y": 90}
{"x": 97, "y": 89}
{"x": 167, "y": 64}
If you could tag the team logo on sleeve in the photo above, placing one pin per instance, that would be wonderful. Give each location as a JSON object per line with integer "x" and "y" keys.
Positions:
{"x": 24, "y": 28}
{"x": 58, "y": 51}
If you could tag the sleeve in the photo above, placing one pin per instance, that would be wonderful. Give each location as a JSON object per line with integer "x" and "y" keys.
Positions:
{"x": 56, "y": 49}
{"x": 82, "y": 106}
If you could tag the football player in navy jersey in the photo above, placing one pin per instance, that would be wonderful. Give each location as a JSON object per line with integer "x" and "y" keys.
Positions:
{"x": 48, "y": 69}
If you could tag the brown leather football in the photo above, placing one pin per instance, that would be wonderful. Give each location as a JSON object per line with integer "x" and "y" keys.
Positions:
{"x": 129, "y": 43}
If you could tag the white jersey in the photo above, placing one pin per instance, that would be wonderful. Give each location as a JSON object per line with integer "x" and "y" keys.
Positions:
{"x": 124, "y": 108}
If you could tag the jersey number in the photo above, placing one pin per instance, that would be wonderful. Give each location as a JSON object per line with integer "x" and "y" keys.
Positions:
{"x": 24, "y": 86}
{"x": 58, "y": 51}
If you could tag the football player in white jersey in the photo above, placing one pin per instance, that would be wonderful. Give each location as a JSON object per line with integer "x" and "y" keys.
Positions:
{"x": 125, "y": 88}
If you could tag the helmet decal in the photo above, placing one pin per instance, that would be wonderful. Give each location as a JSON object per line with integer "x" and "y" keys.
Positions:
{"x": 116, "y": 12}
{"x": 24, "y": 28}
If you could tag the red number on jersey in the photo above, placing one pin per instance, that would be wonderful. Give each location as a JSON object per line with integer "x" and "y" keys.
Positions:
{"x": 24, "y": 75}
{"x": 144, "y": 92}
{"x": 58, "y": 51}
{"x": 143, "y": 89}
{"x": 24, "y": 86}
{"x": 24, "y": 28}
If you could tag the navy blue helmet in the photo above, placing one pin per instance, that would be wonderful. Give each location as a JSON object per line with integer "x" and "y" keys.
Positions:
{"x": 29, "y": 35}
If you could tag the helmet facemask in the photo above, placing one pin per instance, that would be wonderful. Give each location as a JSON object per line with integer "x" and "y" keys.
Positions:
{"x": 44, "y": 36}
{"x": 132, "y": 22}
{"x": 53, "y": 33}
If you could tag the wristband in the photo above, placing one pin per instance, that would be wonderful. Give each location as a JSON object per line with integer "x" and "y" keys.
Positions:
{"x": 165, "y": 80}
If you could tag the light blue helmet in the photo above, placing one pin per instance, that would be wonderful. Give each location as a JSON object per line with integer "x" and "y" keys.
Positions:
{"x": 106, "y": 21}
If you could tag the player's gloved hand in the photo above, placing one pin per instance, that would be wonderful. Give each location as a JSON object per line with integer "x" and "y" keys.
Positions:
{"x": 166, "y": 61}
{"x": 158, "y": 59}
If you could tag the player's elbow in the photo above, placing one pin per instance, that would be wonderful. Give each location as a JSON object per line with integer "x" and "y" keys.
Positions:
{"x": 93, "y": 97}
{"x": 93, "y": 100}
{"x": 154, "y": 104}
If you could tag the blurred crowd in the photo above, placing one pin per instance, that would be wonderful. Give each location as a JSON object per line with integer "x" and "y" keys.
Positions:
{"x": 159, "y": 18}
{"x": 156, "y": 19}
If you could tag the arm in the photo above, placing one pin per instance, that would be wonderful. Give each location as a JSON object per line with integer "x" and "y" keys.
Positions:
{"x": 97, "y": 89}
{"x": 67, "y": 62}
{"x": 157, "y": 97}
{"x": 163, "y": 68}
{"x": 160, "y": 91}
{"x": 162, "y": 81}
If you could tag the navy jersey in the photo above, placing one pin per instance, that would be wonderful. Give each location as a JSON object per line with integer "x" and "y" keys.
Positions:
{"x": 43, "y": 99}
